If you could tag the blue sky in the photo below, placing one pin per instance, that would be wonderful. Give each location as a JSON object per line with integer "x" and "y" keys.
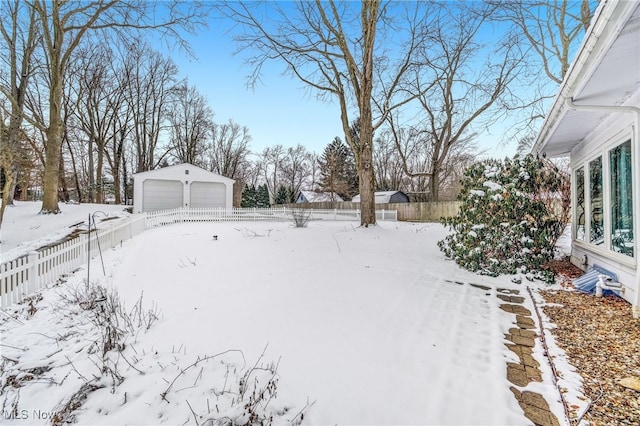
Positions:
{"x": 278, "y": 111}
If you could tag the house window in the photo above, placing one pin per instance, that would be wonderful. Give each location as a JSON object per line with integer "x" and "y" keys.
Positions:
{"x": 580, "y": 212}
{"x": 596, "y": 235}
{"x": 621, "y": 199}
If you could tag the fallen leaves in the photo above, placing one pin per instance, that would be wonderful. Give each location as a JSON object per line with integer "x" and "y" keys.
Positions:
{"x": 601, "y": 339}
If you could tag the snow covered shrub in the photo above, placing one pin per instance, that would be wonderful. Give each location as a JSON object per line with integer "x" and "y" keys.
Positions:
{"x": 507, "y": 223}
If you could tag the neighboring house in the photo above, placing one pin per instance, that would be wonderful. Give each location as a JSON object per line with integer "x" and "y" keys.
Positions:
{"x": 183, "y": 185}
{"x": 317, "y": 197}
{"x": 386, "y": 197}
{"x": 595, "y": 118}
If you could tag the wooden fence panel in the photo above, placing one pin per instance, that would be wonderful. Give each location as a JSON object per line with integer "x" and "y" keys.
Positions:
{"x": 431, "y": 211}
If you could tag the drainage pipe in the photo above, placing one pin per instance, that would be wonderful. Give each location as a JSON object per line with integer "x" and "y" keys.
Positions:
{"x": 605, "y": 283}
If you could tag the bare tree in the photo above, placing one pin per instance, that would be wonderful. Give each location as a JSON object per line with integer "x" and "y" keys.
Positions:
{"x": 295, "y": 170}
{"x": 97, "y": 102}
{"x": 151, "y": 80}
{"x": 337, "y": 50}
{"x": 64, "y": 26}
{"x": 552, "y": 29}
{"x": 20, "y": 39}
{"x": 229, "y": 150}
{"x": 387, "y": 162}
{"x": 190, "y": 125}
{"x": 271, "y": 163}
{"x": 458, "y": 91}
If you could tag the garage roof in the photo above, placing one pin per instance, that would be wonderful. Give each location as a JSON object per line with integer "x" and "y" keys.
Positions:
{"x": 606, "y": 72}
{"x": 193, "y": 172}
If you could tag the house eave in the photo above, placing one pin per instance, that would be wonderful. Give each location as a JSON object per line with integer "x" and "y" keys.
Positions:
{"x": 589, "y": 94}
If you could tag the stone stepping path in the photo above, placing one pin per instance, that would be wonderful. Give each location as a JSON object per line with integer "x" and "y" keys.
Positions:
{"x": 521, "y": 340}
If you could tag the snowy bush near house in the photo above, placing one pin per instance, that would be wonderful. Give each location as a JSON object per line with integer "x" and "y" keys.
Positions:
{"x": 506, "y": 224}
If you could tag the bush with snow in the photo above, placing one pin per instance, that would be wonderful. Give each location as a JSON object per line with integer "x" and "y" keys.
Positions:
{"x": 509, "y": 220}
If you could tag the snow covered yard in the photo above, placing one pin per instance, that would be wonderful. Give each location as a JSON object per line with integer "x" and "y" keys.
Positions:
{"x": 365, "y": 326}
{"x": 23, "y": 229}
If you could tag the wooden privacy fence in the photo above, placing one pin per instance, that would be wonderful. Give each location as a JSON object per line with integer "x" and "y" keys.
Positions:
{"x": 429, "y": 211}
{"x": 30, "y": 273}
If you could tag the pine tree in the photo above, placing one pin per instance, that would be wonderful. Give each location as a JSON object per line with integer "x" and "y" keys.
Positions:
{"x": 284, "y": 195}
{"x": 337, "y": 170}
{"x": 249, "y": 197}
{"x": 262, "y": 197}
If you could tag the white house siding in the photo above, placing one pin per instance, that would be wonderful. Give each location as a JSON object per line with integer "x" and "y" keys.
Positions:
{"x": 595, "y": 118}
{"x": 614, "y": 131}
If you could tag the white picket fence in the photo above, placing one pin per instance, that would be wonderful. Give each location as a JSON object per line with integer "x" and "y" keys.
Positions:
{"x": 28, "y": 274}
{"x": 281, "y": 214}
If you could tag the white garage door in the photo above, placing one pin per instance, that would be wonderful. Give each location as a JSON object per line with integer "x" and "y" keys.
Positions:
{"x": 161, "y": 194}
{"x": 208, "y": 194}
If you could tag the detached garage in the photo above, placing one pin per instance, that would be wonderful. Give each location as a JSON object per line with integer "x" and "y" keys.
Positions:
{"x": 183, "y": 185}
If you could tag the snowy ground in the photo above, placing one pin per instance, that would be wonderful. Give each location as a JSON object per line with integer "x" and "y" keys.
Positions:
{"x": 366, "y": 326}
{"x": 23, "y": 229}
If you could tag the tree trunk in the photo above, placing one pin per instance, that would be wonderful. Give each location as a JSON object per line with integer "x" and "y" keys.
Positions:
{"x": 52, "y": 162}
{"x": 434, "y": 185}
{"x": 367, "y": 179}
{"x": 64, "y": 189}
{"x": 367, "y": 190}
{"x": 76, "y": 180}
{"x": 8, "y": 184}
{"x": 365, "y": 171}
{"x": 53, "y": 151}
{"x": 99, "y": 182}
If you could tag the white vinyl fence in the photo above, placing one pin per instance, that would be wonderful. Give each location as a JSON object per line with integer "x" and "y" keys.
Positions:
{"x": 281, "y": 214}
{"x": 30, "y": 273}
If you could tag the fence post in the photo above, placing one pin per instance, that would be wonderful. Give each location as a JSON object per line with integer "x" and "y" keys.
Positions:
{"x": 34, "y": 279}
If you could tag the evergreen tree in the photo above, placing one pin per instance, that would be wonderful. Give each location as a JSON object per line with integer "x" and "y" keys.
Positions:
{"x": 337, "y": 170}
{"x": 262, "y": 197}
{"x": 249, "y": 196}
{"x": 284, "y": 195}
{"x": 506, "y": 224}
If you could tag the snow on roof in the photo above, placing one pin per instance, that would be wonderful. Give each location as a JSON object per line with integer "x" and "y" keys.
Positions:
{"x": 320, "y": 197}
{"x": 382, "y": 197}
{"x": 170, "y": 172}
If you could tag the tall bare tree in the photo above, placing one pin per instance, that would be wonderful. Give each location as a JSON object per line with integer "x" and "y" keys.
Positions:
{"x": 229, "y": 150}
{"x": 336, "y": 49}
{"x": 151, "y": 83}
{"x": 271, "y": 163}
{"x": 190, "y": 125}
{"x": 296, "y": 169}
{"x": 552, "y": 30}
{"x": 64, "y": 26}
{"x": 97, "y": 105}
{"x": 462, "y": 85}
{"x": 19, "y": 31}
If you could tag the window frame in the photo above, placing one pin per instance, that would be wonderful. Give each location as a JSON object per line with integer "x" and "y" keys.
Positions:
{"x": 604, "y": 151}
